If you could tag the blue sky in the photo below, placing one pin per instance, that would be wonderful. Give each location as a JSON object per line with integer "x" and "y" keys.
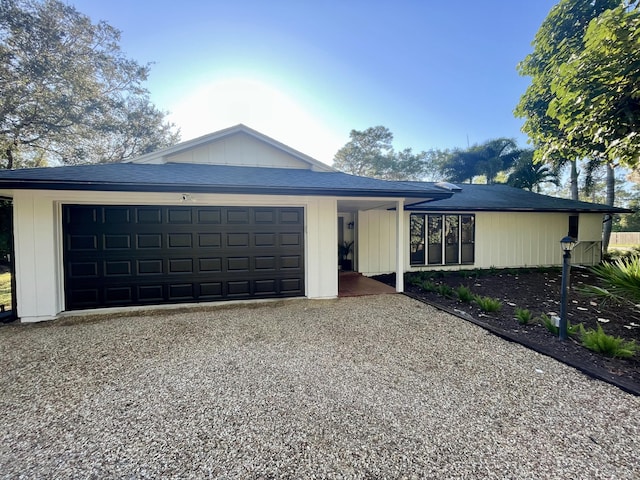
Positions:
{"x": 306, "y": 73}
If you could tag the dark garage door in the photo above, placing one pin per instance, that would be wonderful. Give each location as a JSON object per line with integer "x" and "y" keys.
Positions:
{"x": 141, "y": 255}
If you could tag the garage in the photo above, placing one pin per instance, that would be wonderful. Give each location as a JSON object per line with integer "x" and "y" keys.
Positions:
{"x": 126, "y": 255}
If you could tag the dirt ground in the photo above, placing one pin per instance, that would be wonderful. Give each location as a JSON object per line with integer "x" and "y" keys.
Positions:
{"x": 539, "y": 292}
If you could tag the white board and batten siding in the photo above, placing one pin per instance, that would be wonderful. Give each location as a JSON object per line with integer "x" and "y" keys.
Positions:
{"x": 237, "y": 150}
{"x": 516, "y": 239}
{"x": 502, "y": 240}
{"x": 39, "y": 260}
{"x": 376, "y": 241}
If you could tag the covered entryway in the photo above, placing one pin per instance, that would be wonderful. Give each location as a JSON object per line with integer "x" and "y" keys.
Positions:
{"x": 353, "y": 284}
{"x": 123, "y": 255}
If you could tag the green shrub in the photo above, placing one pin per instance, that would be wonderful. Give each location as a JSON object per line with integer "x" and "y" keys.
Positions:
{"x": 524, "y": 316}
{"x": 445, "y": 290}
{"x": 469, "y": 273}
{"x": 550, "y": 325}
{"x": 488, "y": 304}
{"x": 608, "y": 345}
{"x": 429, "y": 286}
{"x": 417, "y": 278}
{"x": 620, "y": 280}
{"x": 613, "y": 255}
{"x": 464, "y": 294}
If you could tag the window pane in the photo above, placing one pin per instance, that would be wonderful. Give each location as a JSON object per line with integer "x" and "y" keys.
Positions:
{"x": 451, "y": 231}
{"x": 573, "y": 226}
{"x": 417, "y": 239}
{"x": 468, "y": 237}
{"x": 435, "y": 239}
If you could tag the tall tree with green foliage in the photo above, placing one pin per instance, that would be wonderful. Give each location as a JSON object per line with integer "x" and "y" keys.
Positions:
{"x": 559, "y": 39}
{"x": 583, "y": 101}
{"x": 68, "y": 93}
{"x": 597, "y": 92}
{"x": 370, "y": 153}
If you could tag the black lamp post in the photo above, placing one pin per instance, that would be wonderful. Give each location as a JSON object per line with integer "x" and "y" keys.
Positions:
{"x": 567, "y": 244}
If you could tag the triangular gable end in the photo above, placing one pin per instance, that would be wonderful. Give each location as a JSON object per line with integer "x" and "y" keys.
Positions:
{"x": 235, "y": 146}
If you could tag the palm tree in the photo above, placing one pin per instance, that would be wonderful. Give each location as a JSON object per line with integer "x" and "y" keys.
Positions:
{"x": 488, "y": 159}
{"x": 529, "y": 175}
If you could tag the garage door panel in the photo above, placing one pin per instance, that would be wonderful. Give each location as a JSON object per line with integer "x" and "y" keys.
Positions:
{"x": 181, "y": 266}
{"x": 83, "y": 269}
{"x": 209, "y": 215}
{"x": 210, "y": 265}
{"x": 149, "y": 240}
{"x": 291, "y": 285}
{"x": 148, "y": 215}
{"x": 209, "y": 240}
{"x": 82, "y": 242}
{"x": 118, "y": 268}
{"x": 239, "y": 288}
{"x": 179, "y": 240}
{"x": 118, "y": 295}
{"x": 179, "y": 215}
{"x": 150, "y": 293}
{"x": 138, "y": 255}
{"x": 210, "y": 290}
{"x": 117, "y": 215}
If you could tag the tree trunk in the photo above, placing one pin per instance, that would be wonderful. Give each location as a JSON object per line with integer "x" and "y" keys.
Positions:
{"x": 609, "y": 200}
{"x": 9, "y": 152}
{"x": 573, "y": 182}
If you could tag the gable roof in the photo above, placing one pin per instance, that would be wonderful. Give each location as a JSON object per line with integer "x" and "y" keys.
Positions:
{"x": 163, "y": 155}
{"x": 204, "y": 178}
{"x": 503, "y": 198}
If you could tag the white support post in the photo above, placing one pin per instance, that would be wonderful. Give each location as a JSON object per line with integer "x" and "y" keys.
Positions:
{"x": 400, "y": 246}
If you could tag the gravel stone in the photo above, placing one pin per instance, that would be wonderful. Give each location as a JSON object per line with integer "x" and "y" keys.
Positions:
{"x": 364, "y": 387}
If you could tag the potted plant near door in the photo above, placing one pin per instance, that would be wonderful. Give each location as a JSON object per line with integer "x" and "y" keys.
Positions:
{"x": 344, "y": 250}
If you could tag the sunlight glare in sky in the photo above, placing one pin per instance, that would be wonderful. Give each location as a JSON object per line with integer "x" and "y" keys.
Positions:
{"x": 223, "y": 103}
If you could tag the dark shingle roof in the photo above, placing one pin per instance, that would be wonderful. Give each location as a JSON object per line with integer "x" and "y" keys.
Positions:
{"x": 180, "y": 177}
{"x": 500, "y": 198}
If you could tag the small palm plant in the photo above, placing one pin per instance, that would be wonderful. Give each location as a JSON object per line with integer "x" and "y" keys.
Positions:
{"x": 464, "y": 294}
{"x": 620, "y": 280}
{"x": 524, "y": 316}
{"x": 488, "y": 304}
{"x": 608, "y": 345}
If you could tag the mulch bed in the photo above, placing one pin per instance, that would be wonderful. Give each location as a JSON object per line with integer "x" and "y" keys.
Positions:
{"x": 539, "y": 291}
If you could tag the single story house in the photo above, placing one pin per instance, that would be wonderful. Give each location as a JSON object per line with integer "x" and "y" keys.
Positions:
{"x": 236, "y": 215}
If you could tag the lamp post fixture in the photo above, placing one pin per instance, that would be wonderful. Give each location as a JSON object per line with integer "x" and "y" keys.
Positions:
{"x": 567, "y": 244}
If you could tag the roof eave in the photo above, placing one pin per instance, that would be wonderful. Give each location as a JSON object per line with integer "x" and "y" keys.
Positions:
{"x": 437, "y": 208}
{"x": 419, "y": 196}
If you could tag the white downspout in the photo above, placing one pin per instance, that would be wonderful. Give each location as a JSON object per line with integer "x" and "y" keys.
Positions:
{"x": 400, "y": 246}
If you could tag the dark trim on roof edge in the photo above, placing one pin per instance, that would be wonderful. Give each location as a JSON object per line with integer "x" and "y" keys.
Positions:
{"x": 521, "y": 210}
{"x": 181, "y": 188}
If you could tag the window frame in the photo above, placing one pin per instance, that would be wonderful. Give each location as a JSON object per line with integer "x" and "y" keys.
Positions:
{"x": 447, "y": 238}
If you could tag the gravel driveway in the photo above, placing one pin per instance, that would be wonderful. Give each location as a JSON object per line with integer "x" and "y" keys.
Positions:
{"x": 368, "y": 387}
